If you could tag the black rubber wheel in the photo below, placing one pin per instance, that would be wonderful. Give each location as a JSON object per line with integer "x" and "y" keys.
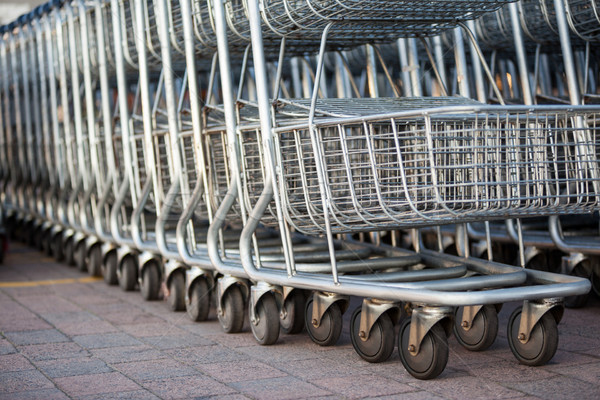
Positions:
{"x": 57, "y": 247}
{"x": 432, "y": 357}
{"x": 80, "y": 256}
{"x": 47, "y": 247}
{"x": 2, "y": 247}
{"x": 36, "y": 240}
{"x": 380, "y": 344}
{"x": 483, "y": 331}
{"x": 199, "y": 305}
{"x": 266, "y": 329}
{"x": 291, "y": 318}
{"x": 95, "y": 263}
{"x": 330, "y": 329}
{"x": 150, "y": 285}
{"x": 176, "y": 297}
{"x": 232, "y": 312}
{"x": 596, "y": 280}
{"x": 542, "y": 343}
{"x": 109, "y": 269}
{"x": 31, "y": 238}
{"x": 68, "y": 251}
{"x": 580, "y": 271}
{"x": 129, "y": 273}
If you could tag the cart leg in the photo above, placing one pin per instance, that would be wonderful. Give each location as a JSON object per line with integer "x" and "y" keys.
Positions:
{"x": 423, "y": 341}
{"x": 372, "y": 329}
{"x": 323, "y": 315}
{"x": 533, "y": 332}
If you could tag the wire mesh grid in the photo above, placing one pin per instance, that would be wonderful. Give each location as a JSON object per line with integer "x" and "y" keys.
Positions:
{"x": 437, "y": 165}
{"x": 584, "y": 18}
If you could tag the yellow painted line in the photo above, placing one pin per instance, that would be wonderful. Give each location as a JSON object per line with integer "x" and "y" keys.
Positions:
{"x": 49, "y": 282}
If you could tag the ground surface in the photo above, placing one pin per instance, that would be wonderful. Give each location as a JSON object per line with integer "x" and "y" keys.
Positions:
{"x": 68, "y": 336}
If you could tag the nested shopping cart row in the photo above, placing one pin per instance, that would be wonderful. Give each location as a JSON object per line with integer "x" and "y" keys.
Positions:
{"x": 233, "y": 152}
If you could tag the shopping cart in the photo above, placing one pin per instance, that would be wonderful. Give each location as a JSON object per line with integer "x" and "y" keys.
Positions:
{"x": 344, "y": 181}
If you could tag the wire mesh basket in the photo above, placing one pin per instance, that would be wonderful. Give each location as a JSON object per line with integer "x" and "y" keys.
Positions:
{"x": 584, "y": 18}
{"x": 416, "y": 162}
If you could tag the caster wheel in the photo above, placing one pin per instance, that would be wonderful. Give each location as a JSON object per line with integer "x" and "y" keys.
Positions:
{"x": 57, "y": 247}
{"x": 36, "y": 240}
{"x": 483, "y": 331}
{"x": 266, "y": 329}
{"x": 579, "y": 301}
{"x": 150, "y": 285}
{"x": 47, "y": 244}
{"x": 542, "y": 343}
{"x": 95, "y": 263}
{"x": 433, "y": 354}
{"x": 80, "y": 257}
{"x": 199, "y": 305}
{"x": 129, "y": 274}
{"x": 109, "y": 269}
{"x": 596, "y": 281}
{"x": 380, "y": 345}
{"x": 176, "y": 297}
{"x": 330, "y": 329}
{"x": 291, "y": 318}
{"x": 232, "y": 312}
{"x": 69, "y": 252}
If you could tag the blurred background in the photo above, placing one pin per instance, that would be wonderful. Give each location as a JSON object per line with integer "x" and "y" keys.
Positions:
{"x": 11, "y": 9}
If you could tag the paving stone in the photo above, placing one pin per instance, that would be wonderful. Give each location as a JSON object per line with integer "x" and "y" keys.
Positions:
{"x": 70, "y": 317}
{"x": 274, "y": 355}
{"x": 316, "y": 368}
{"x": 29, "y": 323}
{"x": 41, "y": 304}
{"x": 125, "y": 318}
{"x": 237, "y": 396}
{"x": 10, "y": 309}
{"x": 36, "y": 337}
{"x": 209, "y": 329}
{"x": 152, "y": 329}
{"x": 154, "y": 369}
{"x": 233, "y": 341}
{"x": 559, "y": 387}
{"x": 509, "y": 371}
{"x": 14, "y": 362}
{"x": 357, "y": 386}
{"x": 6, "y": 347}
{"x": 564, "y": 359}
{"x": 461, "y": 358}
{"x": 578, "y": 343}
{"x": 73, "y": 367}
{"x": 106, "y": 340}
{"x": 86, "y": 328}
{"x": 84, "y": 385}
{"x": 116, "y": 307}
{"x": 33, "y": 291}
{"x": 279, "y": 388}
{"x": 52, "y": 351}
{"x": 454, "y": 386}
{"x": 240, "y": 371}
{"x": 177, "y": 341}
{"x": 114, "y": 355}
{"x": 589, "y": 373}
{"x": 421, "y": 395}
{"x": 185, "y": 387}
{"x": 18, "y": 381}
{"x": 45, "y": 394}
{"x": 87, "y": 298}
{"x": 132, "y": 395}
{"x": 206, "y": 354}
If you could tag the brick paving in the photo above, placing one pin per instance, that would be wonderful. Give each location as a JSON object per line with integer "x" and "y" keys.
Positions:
{"x": 91, "y": 341}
